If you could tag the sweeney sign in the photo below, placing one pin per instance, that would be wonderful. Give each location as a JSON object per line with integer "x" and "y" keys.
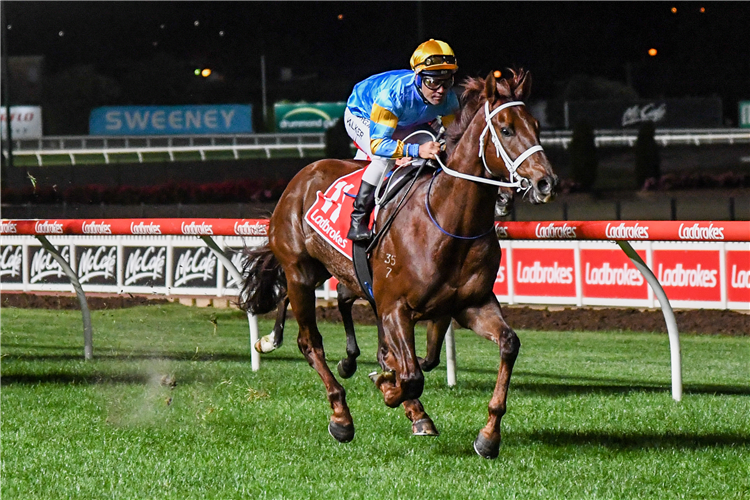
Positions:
{"x": 172, "y": 120}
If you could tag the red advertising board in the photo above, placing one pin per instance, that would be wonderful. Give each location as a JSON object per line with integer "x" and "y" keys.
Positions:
{"x": 501, "y": 280}
{"x": 544, "y": 272}
{"x": 690, "y": 275}
{"x": 610, "y": 274}
{"x": 738, "y": 276}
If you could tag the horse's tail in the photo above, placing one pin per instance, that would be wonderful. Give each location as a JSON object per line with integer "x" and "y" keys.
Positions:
{"x": 265, "y": 281}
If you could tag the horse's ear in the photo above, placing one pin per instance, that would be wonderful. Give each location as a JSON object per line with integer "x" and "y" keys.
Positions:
{"x": 523, "y": 89}
{"x": 490, "y": 88}
{"x": 503, "y": 87}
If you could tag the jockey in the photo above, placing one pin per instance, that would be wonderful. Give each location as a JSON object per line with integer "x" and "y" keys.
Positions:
{"x": 384, "y": 106}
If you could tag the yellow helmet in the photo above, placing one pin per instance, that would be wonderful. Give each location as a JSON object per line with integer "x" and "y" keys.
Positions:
{"x": 434, "y": 57}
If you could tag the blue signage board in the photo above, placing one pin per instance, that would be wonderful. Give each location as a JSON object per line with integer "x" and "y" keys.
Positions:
{"x": 172, "y": 120}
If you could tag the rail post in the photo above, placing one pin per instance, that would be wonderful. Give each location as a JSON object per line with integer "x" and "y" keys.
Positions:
{"x": 251, "y": 319}
{"x": 666, "y": 309}
{"x": 450, "y": 355}
{"x": 88, "y": 335}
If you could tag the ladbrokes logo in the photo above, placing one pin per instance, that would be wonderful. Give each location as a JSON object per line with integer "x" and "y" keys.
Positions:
{"x": 502, "y": 232}
{"x": 248, "y": 229}
{"x": 500, "y": 278}
{"x": 537, "y": 273}
{"x": 325, "y": 218}
{"x": 555, "y": 232}
{"x": 47, "y": 227}
{"x": 201, "y": 229}
{"x": 695, "y": 232}
{"x": 325, "y": 226}
{"x": 605, "y": 275}
{"x": 740, "y": 278}
{"x": 681, "y": 277}
{"x": 8, "y": 228}
{"x": 623, "y": 232}
{"x": 142, "y": 228}
{"x": 94, "y": 228}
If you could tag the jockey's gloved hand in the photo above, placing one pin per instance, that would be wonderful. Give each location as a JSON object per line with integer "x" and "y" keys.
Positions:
{"x": 429, "y": 149}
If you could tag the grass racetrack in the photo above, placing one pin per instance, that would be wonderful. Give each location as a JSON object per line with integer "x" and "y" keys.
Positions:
{"x": 590, "y": 415}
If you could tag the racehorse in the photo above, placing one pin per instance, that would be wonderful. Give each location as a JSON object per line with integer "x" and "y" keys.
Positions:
{"x": 438, "y": 260}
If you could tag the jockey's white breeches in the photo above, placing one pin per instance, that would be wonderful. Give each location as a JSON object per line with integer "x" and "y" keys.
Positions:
{"x": 359, "y": 131}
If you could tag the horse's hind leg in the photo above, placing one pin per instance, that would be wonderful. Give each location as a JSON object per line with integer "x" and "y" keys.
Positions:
{"x": 310, "y": 343}
{"x": 348, "y": 365}
{"x": 272, "y": 341}
{"x": 436, "y": 331}
{"x": 421, "y": 423}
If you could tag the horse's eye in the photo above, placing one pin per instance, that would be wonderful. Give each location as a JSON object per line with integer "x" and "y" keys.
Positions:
{"x": 506, "y": 131}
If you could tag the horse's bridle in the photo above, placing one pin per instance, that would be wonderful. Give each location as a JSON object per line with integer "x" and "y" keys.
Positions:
{"x": 516, "y": 180}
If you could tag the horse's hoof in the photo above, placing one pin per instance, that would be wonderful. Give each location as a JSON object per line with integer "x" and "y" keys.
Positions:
{"x": 347, "y": 368}
{"x": 342, "y": 433}
{"x": 425, "y": 365}
{"x": 264, "y": 345}
{"x": 379, "y": 378}
{"x": 486, "y": 448}
{"x": 424, "y": 427}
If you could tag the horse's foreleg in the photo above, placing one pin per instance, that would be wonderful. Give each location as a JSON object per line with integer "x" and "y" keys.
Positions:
{"x": 436, "y": 331}
{"x": 310, "y": 343}
{"x": 273, "y": 340}
{"x": 348, "y": 365}
{"x": 488, "y": 322}
{"x": 402, "y": 379}
{"x": 422, "y": 424}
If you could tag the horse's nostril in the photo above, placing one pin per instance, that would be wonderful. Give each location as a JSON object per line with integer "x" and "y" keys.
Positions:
{"x": 544, "y": 186}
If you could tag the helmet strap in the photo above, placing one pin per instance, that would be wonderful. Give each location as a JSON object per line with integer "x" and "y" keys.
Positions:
{"x": 418, "y": 84}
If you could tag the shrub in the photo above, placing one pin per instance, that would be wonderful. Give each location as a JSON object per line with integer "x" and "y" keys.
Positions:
{"x": 646, "y": 154}
{"x": 583, "y": 157}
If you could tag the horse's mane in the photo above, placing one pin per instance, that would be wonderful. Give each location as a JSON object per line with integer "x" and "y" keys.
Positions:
{"x": 473, "y": 97}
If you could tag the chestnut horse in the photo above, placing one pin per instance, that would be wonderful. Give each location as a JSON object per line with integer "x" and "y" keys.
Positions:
{"x": 438, "y": 260}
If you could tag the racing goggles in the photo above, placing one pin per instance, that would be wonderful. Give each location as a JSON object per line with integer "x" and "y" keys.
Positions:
{"x": 436, "y": 59}
{"x": 434, "y": 82}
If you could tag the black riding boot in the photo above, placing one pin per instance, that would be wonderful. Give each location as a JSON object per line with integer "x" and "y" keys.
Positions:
{"x": 363, "y": 205}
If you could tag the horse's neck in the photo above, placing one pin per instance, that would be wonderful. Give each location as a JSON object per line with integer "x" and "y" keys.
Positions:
{"x": 460, "y": 204}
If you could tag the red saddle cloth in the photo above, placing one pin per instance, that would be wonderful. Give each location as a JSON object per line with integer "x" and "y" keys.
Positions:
{"x": 330, "y": 215}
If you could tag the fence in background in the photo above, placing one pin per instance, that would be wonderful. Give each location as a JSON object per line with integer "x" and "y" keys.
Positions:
{"x": 698, "y": 264}
{"x": 301, "y": 145}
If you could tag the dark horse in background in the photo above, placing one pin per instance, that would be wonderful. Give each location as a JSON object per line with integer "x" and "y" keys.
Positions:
{"x": 437, "y": 261}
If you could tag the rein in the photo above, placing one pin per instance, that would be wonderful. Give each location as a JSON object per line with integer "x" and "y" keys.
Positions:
{"x": 427, "y": 206}
{"x": 516, "y": 180}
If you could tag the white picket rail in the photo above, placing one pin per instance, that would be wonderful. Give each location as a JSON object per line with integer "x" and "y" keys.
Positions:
{"x": 73, "y": 146}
